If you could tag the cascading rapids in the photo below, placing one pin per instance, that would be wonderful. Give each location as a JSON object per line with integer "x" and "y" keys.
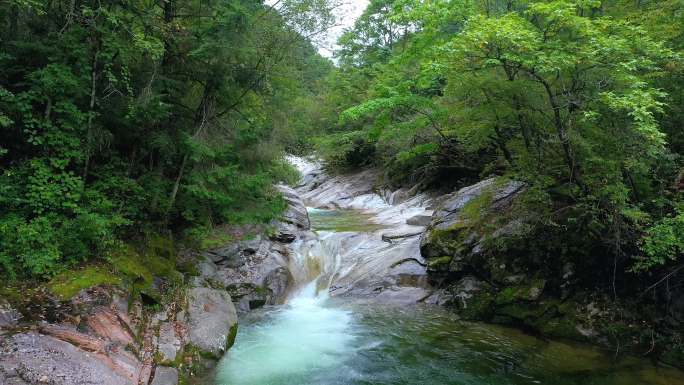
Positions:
{"x": 302, "y": 338}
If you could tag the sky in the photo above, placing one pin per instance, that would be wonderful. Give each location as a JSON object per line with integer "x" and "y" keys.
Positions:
{"x": 347, "y": 14}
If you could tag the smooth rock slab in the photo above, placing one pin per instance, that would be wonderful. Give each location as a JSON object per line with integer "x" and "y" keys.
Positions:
{"x": 212, "y": 320}
{"x": 35, "y": 358}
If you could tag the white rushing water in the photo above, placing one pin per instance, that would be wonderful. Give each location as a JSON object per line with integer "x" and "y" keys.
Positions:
{"x": 293, "y": 344}
{"x": 309, "y": 338}
{"x": 373, "y": 333}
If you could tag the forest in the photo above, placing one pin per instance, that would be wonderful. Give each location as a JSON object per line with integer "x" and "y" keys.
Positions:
{"x": 126, "y": 120}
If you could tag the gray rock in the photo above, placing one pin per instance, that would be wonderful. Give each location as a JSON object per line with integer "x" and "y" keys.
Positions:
{"x": 212, "y": 320}
{"x": 8, "y": 315}
{"x": 260, "y": 274}
{"x": 276, "y": 282}
{"x": 296, "y": 212}
{"x": 448, "y": 213}
{"x": 169, "y": 344}
{"x": 164, "y": 375}
{"x": 436, "y": 243}
{"x": 395, "y": 234}
{"x": 207, "y": 269}
{"x": 403, "y": 295}
{"x": 35, "y": 358}
{"x": 419, "y": 220}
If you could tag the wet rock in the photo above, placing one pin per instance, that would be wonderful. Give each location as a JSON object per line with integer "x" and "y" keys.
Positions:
{"x": 419, "y": 220}
{"x": 276, "y": 282}
{"x": 212, "y": 320}
{"x": 404, "y": 232}
{"x": 465, "y": 289}
{"x": 260, "y": 275}
{"x": 296, "y": 213}
{"x": 355, "y": 191}
{"x": 403, "y": 295}
{"x": 164, "y": 375}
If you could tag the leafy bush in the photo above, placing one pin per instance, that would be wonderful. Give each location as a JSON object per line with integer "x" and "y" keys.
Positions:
{"x": 346, "y": 150}
{"x": 663, "y": 243}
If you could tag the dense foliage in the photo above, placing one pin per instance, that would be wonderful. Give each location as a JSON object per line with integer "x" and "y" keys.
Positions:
{"x": 580, "y": 99}
{"x": 119, "y": 118}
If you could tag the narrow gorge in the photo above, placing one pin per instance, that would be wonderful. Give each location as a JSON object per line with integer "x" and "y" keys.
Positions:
{"x": 364, "y": 288}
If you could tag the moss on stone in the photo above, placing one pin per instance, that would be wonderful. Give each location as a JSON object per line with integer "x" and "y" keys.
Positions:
{"x": 521, "y": 292}
{"x": 439, "y": 263}
{"x": 563, "y": 326}
{"x": 475, "y": 211}
{"x": 70, "y": 282}
{"x": 478, "y": 307}
{"x": 230, "y": 340}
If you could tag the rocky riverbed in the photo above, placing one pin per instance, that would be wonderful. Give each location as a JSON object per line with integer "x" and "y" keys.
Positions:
{"x": 367, "y": 243}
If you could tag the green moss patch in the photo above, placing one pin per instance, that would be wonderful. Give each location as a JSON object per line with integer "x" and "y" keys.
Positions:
{"x": 439, "y": 263}
{"x": 70, "y": 282}
{"x": 126, "y": 267}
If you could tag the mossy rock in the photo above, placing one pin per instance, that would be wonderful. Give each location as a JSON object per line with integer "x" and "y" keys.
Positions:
{"x": 479, "y": 307}
{"x": 529, "y": 291}
{"x": 230, "y": 340}
{"x": 69, "y": 283}
{"x": 561, "y": 327}
{"x": 439, "y": 242}
{"x": 439, "y": 263}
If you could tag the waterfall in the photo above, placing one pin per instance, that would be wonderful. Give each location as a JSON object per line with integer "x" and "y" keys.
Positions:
{"x": 302, "y": 337}
{"x": 351, "y": 316}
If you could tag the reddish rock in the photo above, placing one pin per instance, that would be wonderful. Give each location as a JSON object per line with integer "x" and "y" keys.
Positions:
{"x": 108, "y": 324}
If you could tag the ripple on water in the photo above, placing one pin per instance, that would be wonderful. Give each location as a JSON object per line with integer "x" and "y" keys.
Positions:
{"x": 321, "y": 341}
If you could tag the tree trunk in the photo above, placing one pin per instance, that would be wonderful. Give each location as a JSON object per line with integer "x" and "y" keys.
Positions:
{"x": 91, "y": 112}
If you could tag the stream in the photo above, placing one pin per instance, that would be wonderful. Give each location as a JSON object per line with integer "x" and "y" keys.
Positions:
{"x": 319, "y": 338}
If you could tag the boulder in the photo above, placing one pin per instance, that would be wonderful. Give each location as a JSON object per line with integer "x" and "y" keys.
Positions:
{"x": 454, "y": 239}
{"x": 419, "y": 220}
{"x": 212, "y": 320}
{"x": 261, "y": 275}
{"x": 164, "y": 375}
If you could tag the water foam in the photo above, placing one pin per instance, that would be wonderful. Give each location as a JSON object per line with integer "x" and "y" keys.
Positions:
{"x": 292, "y": 345}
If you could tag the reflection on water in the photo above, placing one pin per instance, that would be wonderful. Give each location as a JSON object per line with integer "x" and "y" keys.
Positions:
{"x": 317, "y": 340}
{"x": 322, "y": 341}
{"x": 341, "y": 220}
